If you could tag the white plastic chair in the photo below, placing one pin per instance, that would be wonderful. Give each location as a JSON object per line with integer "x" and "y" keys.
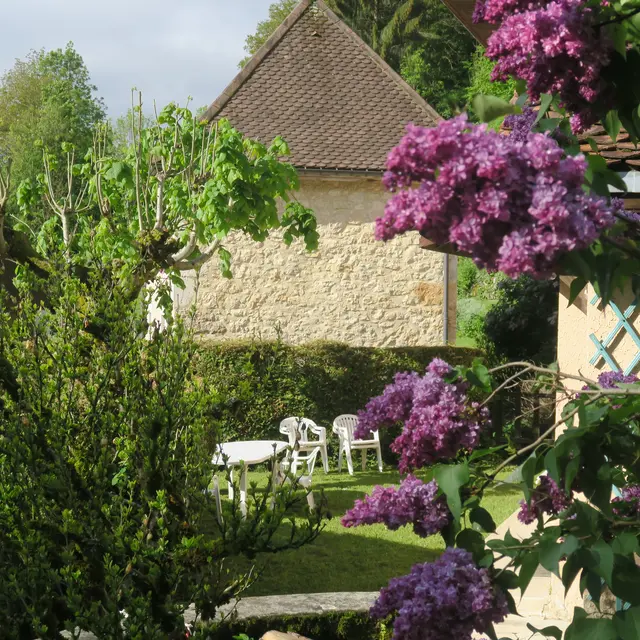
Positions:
{"x": 298, "y": 431}
{"x": 218, "y": 499}
{"x": 343, "y": 427}
{"x": 305, "y": 480}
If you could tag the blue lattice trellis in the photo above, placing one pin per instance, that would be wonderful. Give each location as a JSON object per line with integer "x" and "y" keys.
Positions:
{"x": 623, "y": 324}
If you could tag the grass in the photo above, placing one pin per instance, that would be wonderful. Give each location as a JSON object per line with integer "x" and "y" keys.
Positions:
{"x": 356, "y": 559}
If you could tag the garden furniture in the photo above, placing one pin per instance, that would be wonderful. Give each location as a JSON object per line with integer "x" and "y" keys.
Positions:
{"x": 343, "y": 427}
{"x": 304, "y": 480}
{"x": 298, "y": 431}
{"x": 243, "y": 454}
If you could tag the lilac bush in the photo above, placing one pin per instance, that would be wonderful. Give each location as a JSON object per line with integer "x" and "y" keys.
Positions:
{"x": 413, "y": 502}
{"x": 439, "y": 419}
{"x": 513, "y": 205}
{"x": 448, "y": 598}
{"x": 611, "y": 379}
{"x": 546, "y": 498}
{"x": 555, "y": 47}
{"x": 628, "y": 503}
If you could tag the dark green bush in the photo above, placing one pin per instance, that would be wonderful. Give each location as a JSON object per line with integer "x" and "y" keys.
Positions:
{"x": 523, "y": 324}
{"x": 327, "y": 626}
{"x": 103, "y": 473}
{"x": 260, "y": 383}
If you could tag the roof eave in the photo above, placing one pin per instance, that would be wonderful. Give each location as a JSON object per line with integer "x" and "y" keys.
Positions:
{"x": 463, "y": 10}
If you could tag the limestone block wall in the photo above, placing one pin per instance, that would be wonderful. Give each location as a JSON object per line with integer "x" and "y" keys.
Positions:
{"x": 353, "y": 289}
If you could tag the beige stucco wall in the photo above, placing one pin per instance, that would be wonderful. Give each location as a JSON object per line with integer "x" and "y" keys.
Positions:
{"x": 578, "y": 321}
{"x": 353, "y": 289}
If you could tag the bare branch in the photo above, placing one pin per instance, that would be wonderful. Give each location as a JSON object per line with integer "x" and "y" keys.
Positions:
{"x": 137, "y": 131}
{"x": 5, "y": 184}
{"x": 187, "y": 250}
{"x": 205, "y": 256}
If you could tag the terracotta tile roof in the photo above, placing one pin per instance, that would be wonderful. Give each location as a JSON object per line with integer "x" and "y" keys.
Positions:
{"x": 621, "y": 155}
{"x": 319, "y": 86}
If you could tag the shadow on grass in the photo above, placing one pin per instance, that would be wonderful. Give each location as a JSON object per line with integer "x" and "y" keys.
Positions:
{"x": 336, "y": 562}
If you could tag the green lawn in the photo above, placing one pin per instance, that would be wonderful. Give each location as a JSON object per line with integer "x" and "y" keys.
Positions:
{"x": 356, "y": 559}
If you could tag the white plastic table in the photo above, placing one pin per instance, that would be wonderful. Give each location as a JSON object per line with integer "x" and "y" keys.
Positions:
{"x": 245, "y": 453}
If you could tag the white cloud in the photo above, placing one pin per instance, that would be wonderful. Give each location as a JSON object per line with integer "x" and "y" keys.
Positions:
{"x": 170, "y": 49}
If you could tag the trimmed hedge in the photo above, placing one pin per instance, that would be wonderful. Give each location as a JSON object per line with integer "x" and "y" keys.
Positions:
{"x": 326, "y": 626}
{"x": 257, "y": 384}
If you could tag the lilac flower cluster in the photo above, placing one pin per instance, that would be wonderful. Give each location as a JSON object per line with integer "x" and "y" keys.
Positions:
{"x": 514, "y": 206}
{"x": 439, "y": 420}
{"x": 555, "y": 47}
{"x": 413, "y": 502}
{"x": 547, "y": 497}
{"x": 520, "y": 125}
{"x": 610, "y": 379}
{"x": 628, "y": 504}
{"x": 448, "y": 598}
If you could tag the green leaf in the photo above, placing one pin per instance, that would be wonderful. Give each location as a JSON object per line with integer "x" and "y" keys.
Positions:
{"x": 625, "y": 544}
{"x": 545, "y": 103}
{"x": 450, "y": 478}
{"x": 627, "y": 623}
{"x": 597, "y": 164}
{"x": 612, "y": 125}
{"x": 483, "y": 518}
{"x": 551, "y": 464}
{"x": 615, "y": 180}
{"x": 592, "y": 583}
{"x": 591, "y": 629}
{"x": 570, "y": 571}
{"x": 507, "y": 580}
{"x": 570, "y": 473}
{"x": 548, "y": 632}
{"x": 483, "y": 453}
{"x": 482, "y": 375}
{"x": 488, "y": 108}
{"x": 552, "y": 552}
{"x": 528, "y": 568}
{"x": 618, "y": 34}
{"x": 575, "y": 289}
{"x": 472, "y": 541}
{"x": 602, "y": 555}
{"x": 626, "y": 578}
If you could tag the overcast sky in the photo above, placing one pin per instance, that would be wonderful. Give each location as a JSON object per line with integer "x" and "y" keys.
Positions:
{"x": 169, "y": 49}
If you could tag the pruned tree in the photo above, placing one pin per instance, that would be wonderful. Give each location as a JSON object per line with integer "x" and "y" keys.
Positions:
{"x": 172, "y": 198}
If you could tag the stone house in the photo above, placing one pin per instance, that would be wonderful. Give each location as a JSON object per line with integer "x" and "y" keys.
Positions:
{"x": 340, "y": 108}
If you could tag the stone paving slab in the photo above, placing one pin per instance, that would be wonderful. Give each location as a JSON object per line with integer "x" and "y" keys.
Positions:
{"x": 514, "y": 627}
{"x": 300, "y": 604}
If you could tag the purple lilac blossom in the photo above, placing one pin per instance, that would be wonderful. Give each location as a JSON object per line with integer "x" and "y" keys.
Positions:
{"x": 628, "y": 504}
{"x": 514, "y": 206}
{"x": 413, "y": 502}
{"x": 609, "y": 379}
{"x": 555, "y": 47}
{"x": 520, "y": 125}
{"x": 448, "y": 598}
{"x": 547, "y": 497}
{"x": 439, "y": 420}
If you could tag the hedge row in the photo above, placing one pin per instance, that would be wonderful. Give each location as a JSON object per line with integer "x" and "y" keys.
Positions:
{"x": 325, "y": 626}
{"x": 257, "y": 384}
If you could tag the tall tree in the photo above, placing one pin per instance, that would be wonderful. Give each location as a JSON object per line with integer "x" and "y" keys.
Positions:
{"x": 45, "y": 100}
{"x": 278, "y": 11}
{"x": 394, "y": 29}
